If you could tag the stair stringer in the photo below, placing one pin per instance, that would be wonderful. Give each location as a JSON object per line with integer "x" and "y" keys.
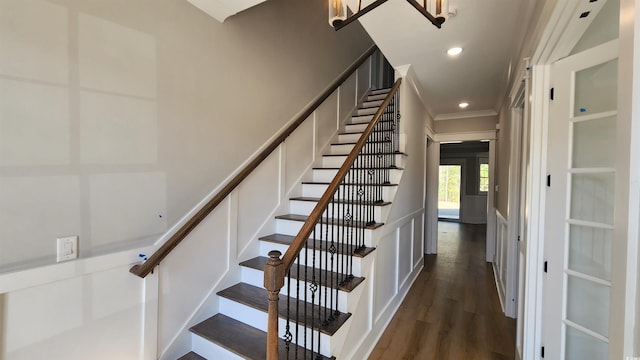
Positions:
{"x": 209, "y": 305}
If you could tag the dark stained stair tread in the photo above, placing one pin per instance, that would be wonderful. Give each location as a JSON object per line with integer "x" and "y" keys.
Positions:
{"x": 356, "y": 224}
{"x": 371, "y": 154}
{"x": 393, "y": 167}
{"x": 314, "y": 199}
{"x": 239, "y": 338}
{"x": 357, "y": 184}
{"x": 324, "y": 277}
{"x": 191, "y": 356}
{"x": 256, "y": 298}
{"x": 319, "y": 245}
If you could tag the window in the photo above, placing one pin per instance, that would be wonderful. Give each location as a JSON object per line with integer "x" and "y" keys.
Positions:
{"x": 484, "y": 176}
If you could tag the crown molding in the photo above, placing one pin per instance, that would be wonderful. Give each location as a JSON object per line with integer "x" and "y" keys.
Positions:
{"x": 465, "y": 115}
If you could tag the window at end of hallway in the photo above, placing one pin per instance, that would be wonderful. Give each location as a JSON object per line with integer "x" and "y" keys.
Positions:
{"x": 484, "y": 176}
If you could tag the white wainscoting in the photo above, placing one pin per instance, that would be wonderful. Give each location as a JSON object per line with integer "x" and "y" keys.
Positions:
{"x": 500, "y": 261}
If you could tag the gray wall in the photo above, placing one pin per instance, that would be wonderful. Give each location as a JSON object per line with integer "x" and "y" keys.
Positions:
{"x": 117, "y": 117}
{"x": 482, "y": 123}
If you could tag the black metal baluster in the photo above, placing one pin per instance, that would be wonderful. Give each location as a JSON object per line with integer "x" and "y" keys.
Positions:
{"x": 297, "y": 337}
{"x": 287, "y": 333}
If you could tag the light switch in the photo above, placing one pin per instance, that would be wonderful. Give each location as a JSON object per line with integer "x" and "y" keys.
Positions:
{"x": 67, "y": 248}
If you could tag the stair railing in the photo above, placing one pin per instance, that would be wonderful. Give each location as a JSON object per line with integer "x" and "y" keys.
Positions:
{"x": 332, "y": 234}
{"x": 144, "y": 269}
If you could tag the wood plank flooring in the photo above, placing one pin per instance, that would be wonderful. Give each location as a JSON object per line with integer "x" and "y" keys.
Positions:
{"x": 452, "y": 311}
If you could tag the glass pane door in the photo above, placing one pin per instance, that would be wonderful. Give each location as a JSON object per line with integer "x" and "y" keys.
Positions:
{"x": 591, "y": 204}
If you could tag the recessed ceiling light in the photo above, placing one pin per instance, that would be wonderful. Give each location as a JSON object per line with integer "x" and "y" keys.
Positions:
{"x": 463, "y": 105}
{"x": 454, "y": 51}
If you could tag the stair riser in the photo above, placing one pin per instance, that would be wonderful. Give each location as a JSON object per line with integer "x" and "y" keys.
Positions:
{"x": 352, "y": 138}
{"x": 376, "y": 97}
{"x": 305, "y": 208}
{"x": 209, "y": 350}
{"x": 361, "y": 119}
{"x": 290, "y": 227}
{"x": 379, "y": 91}
{"x": 258, "y": 320}
{"x": 371, "y": 103}
{"x": 339, "y": 149}
{"x": 316, "y": 190}
{"x": 358, "y": 128}
{"x": 256, "y": 278}
{"x": 327, "y": 175}
{"x": 339, "y": 261}
{"x": 337, "y": 161}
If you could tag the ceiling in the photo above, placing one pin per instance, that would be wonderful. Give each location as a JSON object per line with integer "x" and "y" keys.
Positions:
{"x": 489, "y": 31}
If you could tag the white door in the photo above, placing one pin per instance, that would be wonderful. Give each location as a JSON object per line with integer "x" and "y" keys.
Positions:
{"x": 579, "y": 220}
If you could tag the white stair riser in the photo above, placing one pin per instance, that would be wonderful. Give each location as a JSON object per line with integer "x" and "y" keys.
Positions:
{"x": 327, "y": 175}
{"x": 290, "y": 227}
{"x": 337, "y": 161}
{"x": 256, "y": 278}
{"x": 365, "y": 119}
{"x": 380, "y": 91}
{"x": 352, "y": 138}
{"x": 316, "y": 190}
{"x": 305, "y": 207}
{"x": 339, "y": 261}
{"x": 355, "y": 127}
{"x": 338, "y": 149}
{"x": 361, "y": 126}
{"x": 376, "y": 97}
{"x": 367, "y": 111}
{"x": 258, "y": 320}
{"x": 209, "y": 350}
{"x": 371, "y": 103}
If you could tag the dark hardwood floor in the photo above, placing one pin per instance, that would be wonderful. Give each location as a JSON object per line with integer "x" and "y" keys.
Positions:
{"x": 452, "y": 311}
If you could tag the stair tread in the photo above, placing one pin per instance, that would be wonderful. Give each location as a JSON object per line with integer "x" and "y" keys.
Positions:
{"x": 191, "y": 356}
{"x": 315, "y": 199}
{"x": 258, "y": 263}
{"x": 257, "y": 298}
{"x": 370, "y": 154}
{"x": 370, "y": 168}
{"x": 319, "y": 245}
{"x": 239, "y": 338}
{"x": 357, "y": 224}
{"x": 356, "y": 184}
{"x": 368, "y": 142}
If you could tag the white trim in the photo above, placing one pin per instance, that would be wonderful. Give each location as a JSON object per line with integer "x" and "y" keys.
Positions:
{"x": 431, "y": 214}
{"x": 465, "y": 115}
{"x": 490, "y": 251}
{"x": 535, "y": 244}
{"x": 513, "y": 206}
{"x": 466, "y": 136}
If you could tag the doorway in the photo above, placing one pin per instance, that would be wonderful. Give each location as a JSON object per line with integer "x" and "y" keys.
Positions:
{"x": 449, "y": 185}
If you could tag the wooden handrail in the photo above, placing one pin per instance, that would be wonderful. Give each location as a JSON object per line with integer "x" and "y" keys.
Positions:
{"x": 276, "y": 269}
{"x": 154, "y": 260}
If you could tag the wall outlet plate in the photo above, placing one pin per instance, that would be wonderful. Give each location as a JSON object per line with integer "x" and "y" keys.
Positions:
{"x": 67, "y": 248}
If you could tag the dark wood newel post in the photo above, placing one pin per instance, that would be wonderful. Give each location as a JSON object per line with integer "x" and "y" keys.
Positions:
{"x": 273, "y": 282}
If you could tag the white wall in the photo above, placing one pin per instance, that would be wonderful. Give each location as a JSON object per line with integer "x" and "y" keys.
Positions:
{"x": 118, "y": 117}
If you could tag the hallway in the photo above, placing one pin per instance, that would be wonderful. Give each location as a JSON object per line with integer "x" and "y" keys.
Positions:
{"x": 452, "y": 311}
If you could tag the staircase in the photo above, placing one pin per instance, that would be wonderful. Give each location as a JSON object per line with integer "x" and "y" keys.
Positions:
{"x": 238, "y": 331}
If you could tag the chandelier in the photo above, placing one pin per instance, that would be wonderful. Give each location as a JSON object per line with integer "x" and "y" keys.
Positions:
{"x": 436, "y": 11}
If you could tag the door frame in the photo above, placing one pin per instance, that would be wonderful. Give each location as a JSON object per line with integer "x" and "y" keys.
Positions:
{"x": 550, "y": 41}
{"x": 433, "y": 162}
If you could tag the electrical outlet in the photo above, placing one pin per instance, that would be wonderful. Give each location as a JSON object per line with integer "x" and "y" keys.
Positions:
{"x": 67, "y": 248}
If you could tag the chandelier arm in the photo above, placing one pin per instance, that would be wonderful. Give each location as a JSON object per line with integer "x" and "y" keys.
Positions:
{"x": 436, "y": 21}
{"x": 340, "y": 24}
